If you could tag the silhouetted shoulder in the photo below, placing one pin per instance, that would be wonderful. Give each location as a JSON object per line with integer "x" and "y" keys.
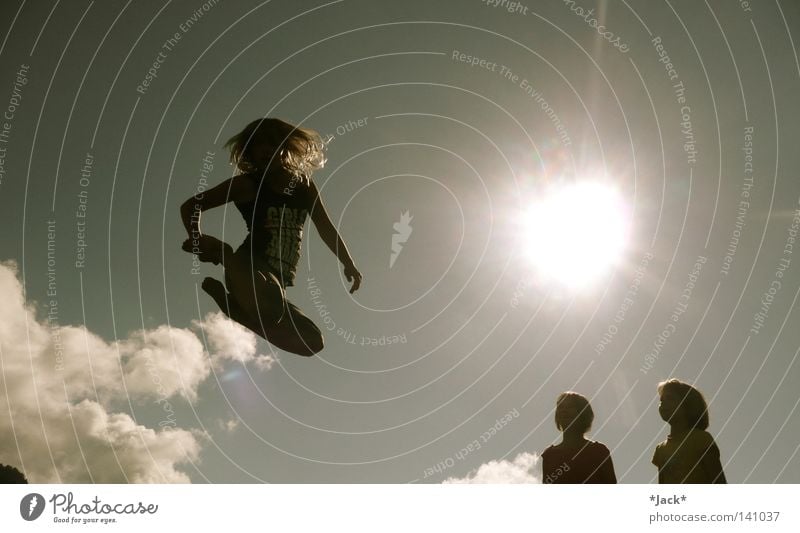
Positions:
{"x": 704, "y": 441}
{"x": 600, "y": 447}
{"x": 549, "y": 450}
{"x": 248, "y": 180}
{"x": 241, "y": 188}
{"x": 702, "y": 437}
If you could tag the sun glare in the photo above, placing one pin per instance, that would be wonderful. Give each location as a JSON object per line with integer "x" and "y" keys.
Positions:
{"x": 576, "y": 232}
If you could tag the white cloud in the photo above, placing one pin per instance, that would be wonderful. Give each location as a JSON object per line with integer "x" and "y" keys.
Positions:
{"x": 229, "y": 425}
{"x": 164, "y": 362}
{"x": 264, "y": 361}
{"x": 230, "y": 341}
{"x": 111, "y": 447}
{"x": 520, "y": 470}
{"x": 59, "y": 386}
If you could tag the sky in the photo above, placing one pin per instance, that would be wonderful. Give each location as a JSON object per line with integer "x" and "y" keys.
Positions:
{"x": 449, "y": 120}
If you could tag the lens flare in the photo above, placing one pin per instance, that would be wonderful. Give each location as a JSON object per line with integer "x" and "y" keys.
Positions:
{"x": 575, "y": 233}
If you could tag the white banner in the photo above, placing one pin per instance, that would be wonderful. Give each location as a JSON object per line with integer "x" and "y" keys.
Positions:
{"x": 371, "y": 508}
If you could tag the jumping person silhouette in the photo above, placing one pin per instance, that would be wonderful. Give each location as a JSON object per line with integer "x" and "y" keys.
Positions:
{"x": 689, "y": 455}
{"x": 274, "y": 193}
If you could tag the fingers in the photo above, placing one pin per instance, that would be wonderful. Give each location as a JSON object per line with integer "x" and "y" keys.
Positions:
{"x": 356, "y": 283}
{"x": 193, "y": 245}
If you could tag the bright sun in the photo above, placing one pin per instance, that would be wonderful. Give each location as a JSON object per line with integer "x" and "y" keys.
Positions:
{"x": 574, "y": 233}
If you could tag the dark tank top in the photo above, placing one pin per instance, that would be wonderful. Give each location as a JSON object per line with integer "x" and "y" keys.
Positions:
{"x": 275, "y": 223}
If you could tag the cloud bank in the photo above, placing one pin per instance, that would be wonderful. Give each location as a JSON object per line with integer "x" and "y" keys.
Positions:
{"x": 62, "y": 387}
{"x": 520, "y": 470}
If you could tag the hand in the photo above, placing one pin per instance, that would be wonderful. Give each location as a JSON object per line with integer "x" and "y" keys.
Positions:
{"x": 352, "y": 274}
{"x": 208, "y": 249}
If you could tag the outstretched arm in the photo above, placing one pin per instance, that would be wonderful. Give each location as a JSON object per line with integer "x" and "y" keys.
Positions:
{"x": 332, "y": 239}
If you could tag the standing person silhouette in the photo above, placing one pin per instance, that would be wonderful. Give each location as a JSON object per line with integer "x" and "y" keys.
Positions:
{"x": 274, "y": 193}
{"x": 576, "y": 459}
{"x": 689, "y": 455}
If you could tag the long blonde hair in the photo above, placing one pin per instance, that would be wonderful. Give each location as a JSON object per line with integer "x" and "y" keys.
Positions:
{"x": 300, "y": 151}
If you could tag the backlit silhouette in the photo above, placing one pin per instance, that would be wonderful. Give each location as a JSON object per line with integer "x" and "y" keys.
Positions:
{"x": 274, "y": 193}
{"x": 689, "y": 455}
{"x": 576, "y": 459}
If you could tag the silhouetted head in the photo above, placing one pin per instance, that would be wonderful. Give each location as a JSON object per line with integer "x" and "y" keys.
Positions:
{"x": 267, "y": 140}
{"x": 9, "y": 475}
{"x": 573, "y": 413}
{"x": 680, "y": 402}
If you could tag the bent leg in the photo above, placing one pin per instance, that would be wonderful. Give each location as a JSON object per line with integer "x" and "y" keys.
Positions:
{"x": 258, "y": 294}
{"x": 296, "y": 333}
{"x": 257, "y": 301}
{"x": 230, "y": 307}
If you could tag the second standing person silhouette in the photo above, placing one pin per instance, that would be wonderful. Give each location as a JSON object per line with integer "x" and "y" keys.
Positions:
{"x": 689, "y": 455}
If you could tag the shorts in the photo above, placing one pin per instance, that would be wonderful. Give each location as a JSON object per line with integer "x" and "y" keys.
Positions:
{"x": 260, "y": 261}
